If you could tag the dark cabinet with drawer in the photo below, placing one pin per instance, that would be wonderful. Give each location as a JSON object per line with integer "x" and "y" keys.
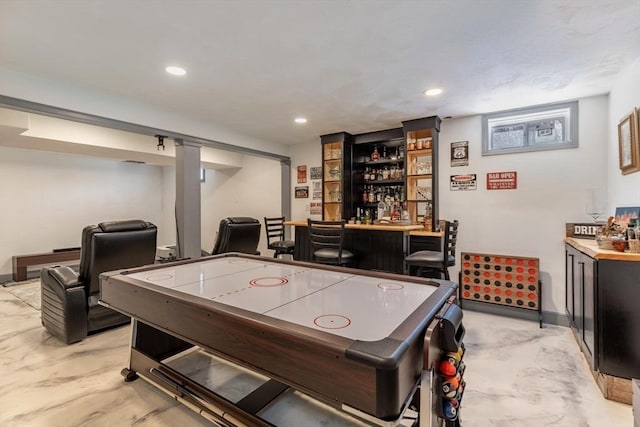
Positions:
{"x": 580, "y": 297}
{"x": 603, "y": 306}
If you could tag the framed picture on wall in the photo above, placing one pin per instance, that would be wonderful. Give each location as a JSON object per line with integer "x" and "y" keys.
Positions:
{"x": 628, "y": 144}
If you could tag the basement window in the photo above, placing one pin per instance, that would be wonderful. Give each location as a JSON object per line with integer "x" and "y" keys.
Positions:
{"x": 546, "y": 127}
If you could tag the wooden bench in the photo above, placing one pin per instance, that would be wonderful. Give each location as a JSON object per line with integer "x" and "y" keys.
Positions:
{"x": 21, "y": 262}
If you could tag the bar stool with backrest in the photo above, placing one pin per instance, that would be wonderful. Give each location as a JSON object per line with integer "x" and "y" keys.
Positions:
{"x": 327, "y": 238}
{"x": 275, "y": 237}
{"x": 437, "y": 261}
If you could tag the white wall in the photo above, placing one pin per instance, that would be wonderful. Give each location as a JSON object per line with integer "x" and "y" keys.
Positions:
{"x": 624, "y": 190}
{"x": 253, "y": 191}
{"x": 311, "y": 156}
{"x": 47, "y": 199}
{"x": 528, "y": 221}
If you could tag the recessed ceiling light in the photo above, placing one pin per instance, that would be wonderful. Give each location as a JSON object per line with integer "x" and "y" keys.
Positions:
{"x": 433, "y": 92}
{"x": 176, "y": 71}
{"x": 300, "y": 120}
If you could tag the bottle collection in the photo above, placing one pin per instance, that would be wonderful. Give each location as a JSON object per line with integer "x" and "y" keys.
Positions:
{"x": 387, "y": 173}
{"x": 393, "y": 153}
{"x": 389, "y": 194}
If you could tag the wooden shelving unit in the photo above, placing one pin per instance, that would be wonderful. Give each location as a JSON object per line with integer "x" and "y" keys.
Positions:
{"x": 336, "y": 171}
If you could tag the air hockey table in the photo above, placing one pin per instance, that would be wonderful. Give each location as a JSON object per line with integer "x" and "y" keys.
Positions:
{"x": 361, "y": 341}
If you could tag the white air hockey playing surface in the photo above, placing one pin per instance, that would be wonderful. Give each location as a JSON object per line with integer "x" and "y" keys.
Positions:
{"x": 315, "y": 298}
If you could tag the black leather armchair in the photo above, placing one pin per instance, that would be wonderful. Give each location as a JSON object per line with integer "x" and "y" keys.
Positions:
{"x": 70, "y": 309}
{"x": 237, "y": 234}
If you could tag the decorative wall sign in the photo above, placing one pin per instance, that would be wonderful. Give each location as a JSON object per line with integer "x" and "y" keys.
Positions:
{"x": 315, "y": 172}
{"x": 302, "y": 192}
{"x": 317, "y": 190}
{"x": 463, "y": 182}
{"x": 460, "y": 153}
{"x": 502, "y": 180}
{"x": 315, "y": 208}
{"x": 302, "y": 174}
{"x": 582, "y": 231}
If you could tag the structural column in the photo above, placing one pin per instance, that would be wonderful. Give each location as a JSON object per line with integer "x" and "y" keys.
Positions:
{"x": 188, "y": 234}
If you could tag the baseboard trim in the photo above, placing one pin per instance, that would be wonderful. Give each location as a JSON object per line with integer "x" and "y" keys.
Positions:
{"x": 548, "y": 317}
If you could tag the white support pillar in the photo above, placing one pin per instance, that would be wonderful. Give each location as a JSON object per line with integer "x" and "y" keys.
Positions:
{"x": 188, "y": 234}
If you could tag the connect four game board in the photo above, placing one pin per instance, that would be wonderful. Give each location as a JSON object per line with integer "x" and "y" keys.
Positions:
{"x": 501, "y": 279}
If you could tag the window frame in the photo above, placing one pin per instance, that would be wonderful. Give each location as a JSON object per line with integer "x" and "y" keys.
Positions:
{"x": 572, "y": 129}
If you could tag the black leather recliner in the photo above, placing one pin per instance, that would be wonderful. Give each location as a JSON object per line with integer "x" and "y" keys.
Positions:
{"x": 70, "y": 309}
{"x": 238, "y": 234}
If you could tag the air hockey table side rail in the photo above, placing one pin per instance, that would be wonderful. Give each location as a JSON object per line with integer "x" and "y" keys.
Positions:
{"x": 166, "y": 323}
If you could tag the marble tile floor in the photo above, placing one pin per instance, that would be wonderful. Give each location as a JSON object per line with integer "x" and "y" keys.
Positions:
{"x": 517, "y": 376}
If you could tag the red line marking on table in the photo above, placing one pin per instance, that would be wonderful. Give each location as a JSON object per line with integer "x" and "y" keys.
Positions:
{"x": 268, "y": 282}
{"x": 332, "y": 321}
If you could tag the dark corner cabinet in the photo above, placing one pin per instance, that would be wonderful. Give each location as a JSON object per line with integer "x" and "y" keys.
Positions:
{"x": 603, "y": 306}
{"x": 397, "y": 166}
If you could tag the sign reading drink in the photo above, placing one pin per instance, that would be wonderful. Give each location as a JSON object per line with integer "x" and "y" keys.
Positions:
{"x": 502, "y": 180}
{"x": 583, "y": 231}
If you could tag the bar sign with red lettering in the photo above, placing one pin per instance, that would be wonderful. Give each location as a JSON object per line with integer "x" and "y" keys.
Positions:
{"x": 502, "y": 180}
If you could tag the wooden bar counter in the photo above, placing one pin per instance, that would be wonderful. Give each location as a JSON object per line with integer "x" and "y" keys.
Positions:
{"x": 380, "y": 247}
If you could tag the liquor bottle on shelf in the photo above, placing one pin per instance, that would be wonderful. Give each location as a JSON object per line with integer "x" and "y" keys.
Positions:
{"x": 381, "y": 209}
{"x": 384, "y": 152}
{"x": 366, "y": 174}
{"x": 375, "y": 156}
{"x": 385, "y": 173}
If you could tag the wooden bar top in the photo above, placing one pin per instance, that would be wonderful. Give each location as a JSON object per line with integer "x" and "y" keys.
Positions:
{"x": 378, "y": 227}
{"x": 590, "y": 247}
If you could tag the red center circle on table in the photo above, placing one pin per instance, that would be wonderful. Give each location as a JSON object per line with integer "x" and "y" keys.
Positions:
{"x": 508, "y": 293}
{"x": 332, "y": 321}
{"x": 520, "y": 270}
{"x": 497, "y": 291}
{"x": 509, "y": 261}
{"x": 159, "y": 277}
{"x": 476, "y": 258}
{"x": 508, "y": 276}
{"x": 487, "y": 290}
{"x": 532, "y": 271}
{"x": 390, "y": 286}
{"x": 520, "y": 294}
{"x": 532, "y": 263}
{"x": 532, "y": 296}
{"x": 519, "y": 278}
{"x": 268, "y": 282}
{"x": 476, "y": 288}
{"x": 520, "y": 262}
{"x": 467, "y": 294}
{"x": 496, "y": 260}
{"x": 467, "y": 279}
{"x": 497, "y": 275}
{"x": 532, "y": 279}
{"x": 467, "y": 264}
{"x": 487, "y": 274}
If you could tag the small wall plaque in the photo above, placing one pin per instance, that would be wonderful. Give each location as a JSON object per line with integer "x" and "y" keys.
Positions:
{"x": 582, "y": 230}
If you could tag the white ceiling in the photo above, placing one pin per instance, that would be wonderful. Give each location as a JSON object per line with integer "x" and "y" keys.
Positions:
{"x": 353, "y": 65}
